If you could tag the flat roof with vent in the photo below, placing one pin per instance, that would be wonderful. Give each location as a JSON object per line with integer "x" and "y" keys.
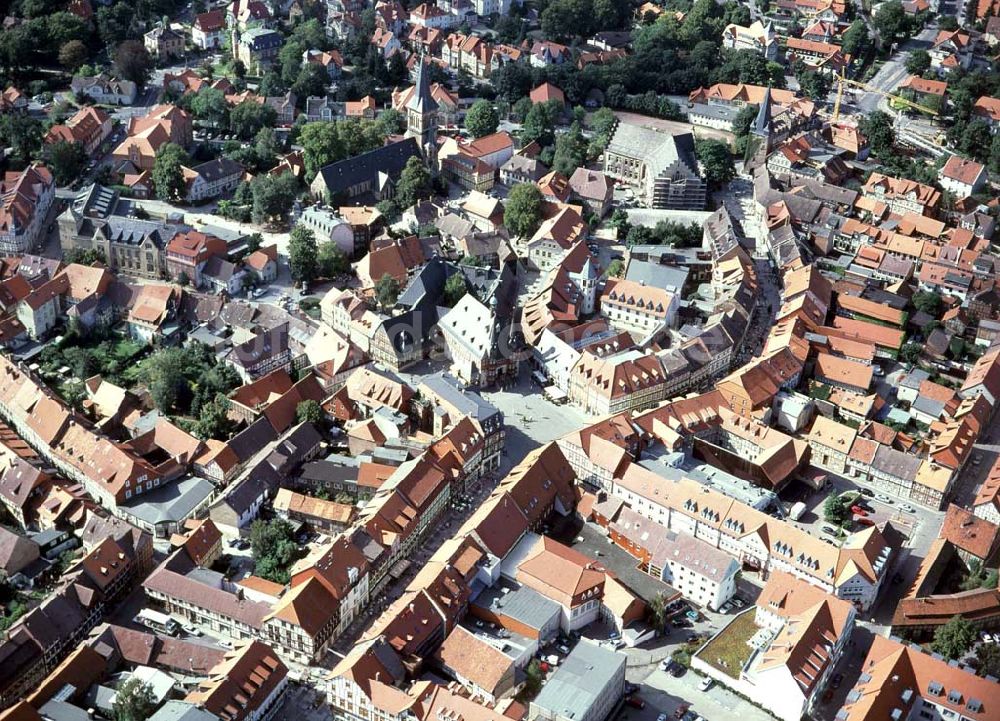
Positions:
{"x": 584, "y": 677}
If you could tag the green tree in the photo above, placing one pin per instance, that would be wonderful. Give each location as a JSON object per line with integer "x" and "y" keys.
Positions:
{"x": 877, "y": 128}
{"x": 213, "y": 419}
{"x": 311, "y": 34}
{"x": 392, "y": 121}
{"x": 615, "y": 269}
{"x": 482, "y": 118}
{"x": 988, "y": 656}
{"x": 523, "y": 211}
{"x": 209, "y": 105}
{"x": 168, "y": 172}
{"x": 717, "y": 161}
{"x": 254, "y": 241}
{"x": 312, "y": 80}
{"x": 918, "y": 62}
{"x": 929, "y": 303}
{"x": 954, "y": 638}
{"x": 454, "y": 288}
{"x": 891, "y": 21}
{"x": 658, "y": 612}
{"x": 856, "y": 39}
{"x": 835, "y": 509}
{"x": 273, "y": 197}
{"x": 266, "y": 147}
{"x": 910, "y": 353}
{"x": 66, "y": 161}
{"x": 23, "y": 134}
{"x": 533, "y": 678}
{"x": 387, "y": 291}
{"x": 163, "y": 375}
{"x": 570, "y": 152}
{"x": 332, "y": 260}
{"x": 247, "y": 118}
{"x": 540, "y": 121}
{"x": 73, "y": 54}
{"x": 321, "y": 145}
{"x": 812, "y": 84}
{"x": 302, "y": 255}
{"x": 274, "y": 549}
{"x": 309, "y": 411}
{"x": 414, "y": 183}
{"x": 134, "y": 701}
{"x": 602, "y": 121}
{"x": 132, "y": 62}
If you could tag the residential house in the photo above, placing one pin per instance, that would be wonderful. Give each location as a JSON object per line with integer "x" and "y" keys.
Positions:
{"x": 187, "y": 254}
{"x": 592, "y": 188}
{"x": 902, "y": 196}
{"x": 212, "y": 179}
{"x": 759, "y": 38}
{"x": 164, "y": 42}
{"x": 103, "y": 89}
{"x": 25, "y": 200}
{"x": 89, "y": 127}
{"x": 147, "y": 134}
{"x": 803, "y": 635}
{"x": 962, "y": 177}
{"x": 258, "y": 48}
{"x": 208, "y": 30}
{"x": 634, "y": 306}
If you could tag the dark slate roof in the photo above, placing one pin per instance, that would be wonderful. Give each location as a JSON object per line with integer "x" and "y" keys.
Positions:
{"x": 219, "y": 268}
{"x": 219, "y": 168}
{"x": 252, "y": 439}
{"x": 246, "y": 493}
{"x": 389, "y": 159}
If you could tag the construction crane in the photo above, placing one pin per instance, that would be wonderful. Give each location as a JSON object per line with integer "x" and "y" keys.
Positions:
{"x": 842, "y": 82}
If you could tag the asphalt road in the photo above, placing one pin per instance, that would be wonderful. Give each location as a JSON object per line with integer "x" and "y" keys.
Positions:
{"x": 893, "y": 71}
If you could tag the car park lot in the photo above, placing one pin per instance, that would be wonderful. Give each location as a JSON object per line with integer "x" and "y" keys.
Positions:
{"x": 664, "y": 694}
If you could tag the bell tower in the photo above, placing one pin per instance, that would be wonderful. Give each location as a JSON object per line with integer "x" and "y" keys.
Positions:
{"x": 421, "y": 113}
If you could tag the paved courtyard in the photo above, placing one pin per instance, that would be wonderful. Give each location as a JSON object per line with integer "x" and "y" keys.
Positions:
{"x": 664, "y": 694}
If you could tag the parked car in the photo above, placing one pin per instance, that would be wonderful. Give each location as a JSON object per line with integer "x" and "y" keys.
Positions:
{"x": 706, "y": 683}
{"x": 882, "y": 498}
{"x": 859, "y": 510}
{"x": 630, "y": 688}
{"x": 192, "y": 630}
{"x": 562, "y": 648}
{"x": 985, "y": 637}
{"x": 864, "y": 521}
{"x": 661, "y": 717}
{"x": 867, "y": 492}
{"x": 726, "y": 607}
{"x": 681, "y": 710}
{"x": 831, "y": 530}
{"x": 837, "y": 680}
{"x": 635, "y": 702}
{"x": 906, "y": 507}
{"x": 738, "y": 602}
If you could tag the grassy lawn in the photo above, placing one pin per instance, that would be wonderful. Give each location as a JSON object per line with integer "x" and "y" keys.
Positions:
{"x": 728, "y": 651}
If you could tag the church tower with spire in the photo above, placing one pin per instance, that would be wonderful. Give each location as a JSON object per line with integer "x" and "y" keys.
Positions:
{"x": 421, "y": 113}
{"x": 762, "y": 123}
{"x": 759, "y": 140}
